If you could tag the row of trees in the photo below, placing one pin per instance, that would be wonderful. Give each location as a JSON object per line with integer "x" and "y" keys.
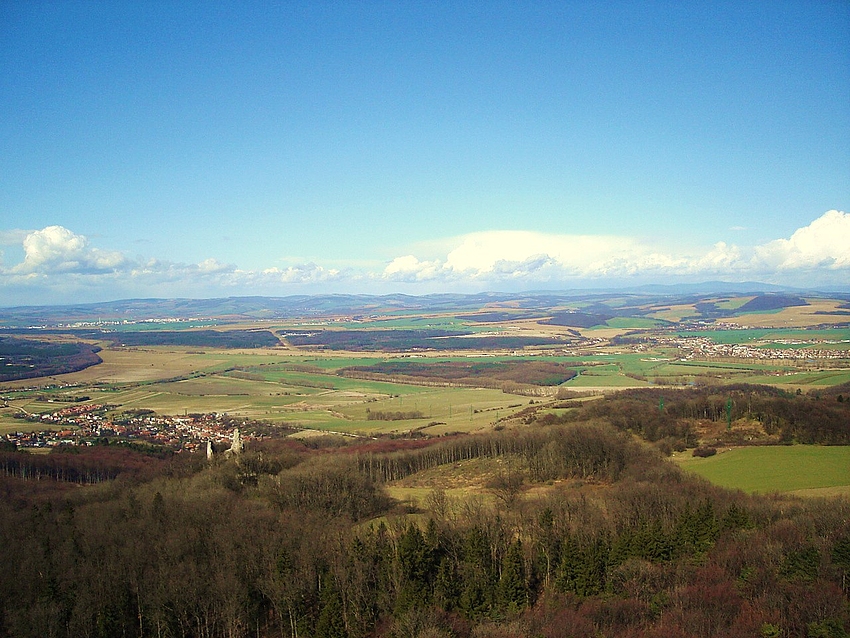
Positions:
{"x": 585, "y": 451}
{"x": 493, "y": 374}
{"x": 83, "y": 465}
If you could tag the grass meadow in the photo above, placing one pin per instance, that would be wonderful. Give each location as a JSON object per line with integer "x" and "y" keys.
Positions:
{"x": 806, "y": 469}
{"x": 753, "y": 335}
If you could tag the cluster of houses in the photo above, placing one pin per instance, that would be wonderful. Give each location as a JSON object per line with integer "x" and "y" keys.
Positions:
{"x": 80, "y": 424}
{"x": 703, "y": 347}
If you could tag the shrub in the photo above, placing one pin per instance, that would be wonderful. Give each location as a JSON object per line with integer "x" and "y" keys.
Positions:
{"x": 704, "y": 451}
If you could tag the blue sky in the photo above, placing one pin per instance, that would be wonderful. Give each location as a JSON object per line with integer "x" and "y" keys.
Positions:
{"x": 165, "y": 149}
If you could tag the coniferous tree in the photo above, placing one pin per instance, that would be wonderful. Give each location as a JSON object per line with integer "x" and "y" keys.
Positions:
{"x": 414, "y": 558}
{"x": 331, "y": 621}
{"x": 513, "y": 588}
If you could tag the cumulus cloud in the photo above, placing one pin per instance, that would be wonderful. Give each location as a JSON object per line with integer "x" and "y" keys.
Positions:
{"x": 302, "y": 274}
{"x": 504, "y": 256}
{"x": 526, "y": 255}
{"x": 411, "y": 269}
{"x": 721, "y": 258}
{"x": 825, "y": 243}
{"x": 56, "y": 258}
{"x": 580, "y": 254}
{"x": 214, "y": 266}
{"x": 57, "y": 263}
{"x": 56, "y": 249}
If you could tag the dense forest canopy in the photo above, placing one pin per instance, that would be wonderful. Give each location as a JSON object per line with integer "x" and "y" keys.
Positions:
{"x": 403, "y": 340}
{"x": 475, "y": 374}
{"x": 31, "y": 358}
{"x": 581, "y": 530}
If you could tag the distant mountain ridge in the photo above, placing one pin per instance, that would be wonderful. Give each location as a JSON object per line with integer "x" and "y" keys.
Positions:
{"x": 358, "y": 305}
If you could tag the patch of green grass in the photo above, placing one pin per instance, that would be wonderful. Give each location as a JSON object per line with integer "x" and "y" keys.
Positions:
{"x": 733, "y": 304}
{"x": 729, "y": 336}
{"x": 749, "y": 335}
{"x": 8, "y": 424}
{"x": 771, "y": 311}
{"x": 420, "y": 323}
{"x": 821, "y": 378}
{"x": 775, "y": 468}
{"x": 634, "y": 323}
{"x": 335, "y": 363}
{"x": 457, "y": 408}
{"x": 610, "y": 375}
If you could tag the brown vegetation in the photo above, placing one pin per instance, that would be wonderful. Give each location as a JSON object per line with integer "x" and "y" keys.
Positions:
{"x": 276, "y": 543}
{"x": 517, "y": 377}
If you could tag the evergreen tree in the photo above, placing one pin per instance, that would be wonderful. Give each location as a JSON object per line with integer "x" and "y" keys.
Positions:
{"x": 447, "y": 585}
{"x": 736, "y": 518}
{"x": 568, "y": 566}
{"x": 513, "y": 588}
{"x": 415, "y": 562}
{"x": 331, "y": 622}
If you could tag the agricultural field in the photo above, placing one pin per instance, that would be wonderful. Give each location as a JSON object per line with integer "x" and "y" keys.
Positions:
{"x": 303, "y": 392}
{"x": 289, "y": 369}
{"x": 811, "y": 470}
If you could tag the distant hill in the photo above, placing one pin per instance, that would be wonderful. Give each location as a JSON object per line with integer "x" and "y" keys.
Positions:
{"x": 491, "y": 306}
{"x": 577, "y": 319}
{"x": 28, "y": 358}
{"x": 763, "y": 303}
{"x": 715, "y": 287}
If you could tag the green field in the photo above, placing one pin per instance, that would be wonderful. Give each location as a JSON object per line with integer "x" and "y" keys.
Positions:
{"x": 796, "y": 468}
{"x": 634, "y": 323}
{"x": 750, "y": 335}
{"x": 663, "y": 368}
{"x": 283, "y": 389}
{"x": 418, "y": 323}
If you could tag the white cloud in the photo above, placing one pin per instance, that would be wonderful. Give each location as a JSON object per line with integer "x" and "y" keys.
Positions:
{"x": 506, "y": 256}
{"x": 56, "y": 249}
{"x": 410, "y": 269}
{"x": 480, "y": 252}
{"x": 214, "y": 266}
{"x": 59, "y": 264}
{"x": 825, "y": 243}
{"x": 525, "y": 255}
{"x": 309, "y": 273}
{"x": 721, "y": 258}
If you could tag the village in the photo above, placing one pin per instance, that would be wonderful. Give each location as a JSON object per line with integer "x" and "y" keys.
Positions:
{"x": 84, "y": 424}
{"x": 705, "y": 348}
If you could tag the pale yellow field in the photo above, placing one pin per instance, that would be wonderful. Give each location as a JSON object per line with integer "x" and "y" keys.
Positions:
{"x": 127, "y": 365}
{"x": 602, "y": 333}
{"x": 794, "y": 317}
{"x": 675, "y": 313}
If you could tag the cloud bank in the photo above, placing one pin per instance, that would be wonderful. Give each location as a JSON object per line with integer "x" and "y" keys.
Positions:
{"x": 59, "y": 264}
{"x": 821, "y": 247}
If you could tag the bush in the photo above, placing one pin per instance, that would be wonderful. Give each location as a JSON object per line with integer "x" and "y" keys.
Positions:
{"x": 704, "y": 451}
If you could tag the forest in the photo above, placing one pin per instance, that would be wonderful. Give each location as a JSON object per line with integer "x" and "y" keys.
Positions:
{"x": 495, "y": 374}
{"x": 201, "y": 338}
{"x": 31, "y": 358}
{"x": 818, "y": 417}
{"x": 403, "y": 340}
{"x": 581, "y": 528}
